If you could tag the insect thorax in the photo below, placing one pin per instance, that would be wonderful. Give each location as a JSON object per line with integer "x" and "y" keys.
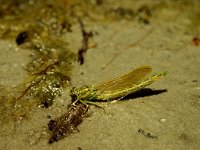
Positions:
{"x": 85, "y": 93}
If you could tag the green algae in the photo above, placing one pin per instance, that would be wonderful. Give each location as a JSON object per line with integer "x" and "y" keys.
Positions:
{"x": 41, "y": 33}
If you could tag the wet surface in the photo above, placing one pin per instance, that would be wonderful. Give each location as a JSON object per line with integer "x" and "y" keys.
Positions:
{"x": 39, "y": 46}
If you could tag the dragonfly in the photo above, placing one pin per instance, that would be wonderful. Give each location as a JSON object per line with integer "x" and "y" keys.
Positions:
{"x": 116, "y": 88}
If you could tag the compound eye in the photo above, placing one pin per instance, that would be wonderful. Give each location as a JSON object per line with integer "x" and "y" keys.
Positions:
{"x": 74, "y": 97}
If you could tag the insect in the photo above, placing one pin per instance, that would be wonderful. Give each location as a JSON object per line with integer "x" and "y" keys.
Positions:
{"x": 116, "y": 88}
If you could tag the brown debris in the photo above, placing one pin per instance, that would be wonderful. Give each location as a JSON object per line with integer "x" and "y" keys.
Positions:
{"x": 68, "y": 122}
{"x": 196, "y": 41}
{"x": 148, "y": 135}
{"x": 86, "y": 35}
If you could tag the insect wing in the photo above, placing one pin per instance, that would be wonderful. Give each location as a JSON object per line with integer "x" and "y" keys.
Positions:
{"x": 128, "y": 80}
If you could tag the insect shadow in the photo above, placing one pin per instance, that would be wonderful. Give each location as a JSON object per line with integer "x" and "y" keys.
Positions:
{"x": 144, "y": 93}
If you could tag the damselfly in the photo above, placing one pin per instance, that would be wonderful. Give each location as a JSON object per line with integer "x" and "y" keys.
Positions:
{"x": 116, "y": 88}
